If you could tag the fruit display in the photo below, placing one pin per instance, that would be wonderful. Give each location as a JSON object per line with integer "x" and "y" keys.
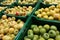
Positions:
{"x": 51, "y": 1}
{"x": 27, "y": 1}
{"x": 2, "y": 8}
{"x": 19, "y": 11}
{"x": 50, "y": 13}
{"x": 42, "y": 32}
{"x": 7, "y": 2}
{"x": 29, "y": 19}
{"x": 9, "y": 27}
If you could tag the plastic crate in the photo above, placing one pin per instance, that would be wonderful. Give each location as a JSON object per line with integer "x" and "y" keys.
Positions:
{"x": 21, "y": 6}
{"x": 30, "y": 21}
{"x": 24, "y": 20}
{"x": 44, "y": 6}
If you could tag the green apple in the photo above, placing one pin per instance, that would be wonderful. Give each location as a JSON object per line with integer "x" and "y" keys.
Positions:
{"x": 46, "y": 35}
{"x": 57, "y": 37}
{"x": 36, "y": 30}
{"x": 52, "y": 33}
{"x": 33, "y": 26}
{"x": 47, "y": 27}
{"x": 53, "y": 27}
{"x": 42, "y": 30}
{"x": 50, "y": 39}
{"x": 41, "y": 38}
{"x": 30, "y": 34}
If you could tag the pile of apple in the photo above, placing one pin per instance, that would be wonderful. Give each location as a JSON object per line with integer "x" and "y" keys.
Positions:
{"x": 51, "y": 13}
{"x": 8, "y": 2}
{"x": 9, "y": 28}
{"x": 27, "y": 1}
{"x": 51, "y": 1}
{"x": 19, "y": 11}
{"x": 45, "y": 32}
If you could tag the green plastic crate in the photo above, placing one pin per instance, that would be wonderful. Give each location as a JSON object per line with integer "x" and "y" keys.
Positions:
{"x": 32, "y": 20}
{"x": 44, "y": 6}
{"x": 21, "y": 6}
{"x": 24, "y": 20}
